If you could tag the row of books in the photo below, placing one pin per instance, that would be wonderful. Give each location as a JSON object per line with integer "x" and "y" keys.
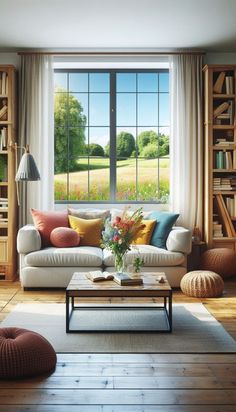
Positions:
{"x": 225, "y": 160}
{"x": 224, "y": 183}
{"x": 3, "y": 139}
{"x": 224, "y": 113}
{"x": 3, "y": 202}
{"x": 3, "y": 83}
{"x": 224, "y": 83}
{"x": 231, "y": 205}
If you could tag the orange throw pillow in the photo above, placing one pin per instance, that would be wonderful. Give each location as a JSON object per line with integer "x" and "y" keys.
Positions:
{"x": 64, "y": 237}
{"x": 89, "y": 230}
{"x": 45, "y": 222}
{"x": 143, "y": 236}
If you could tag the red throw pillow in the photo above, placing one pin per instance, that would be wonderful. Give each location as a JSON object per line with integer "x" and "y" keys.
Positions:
{"x": 64, "y": 237}
{"x": 45, "y": 222}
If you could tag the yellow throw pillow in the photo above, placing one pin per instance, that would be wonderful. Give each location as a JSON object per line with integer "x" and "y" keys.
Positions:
{"x": 88, "y": 229}
{"x": 143, "y": 236}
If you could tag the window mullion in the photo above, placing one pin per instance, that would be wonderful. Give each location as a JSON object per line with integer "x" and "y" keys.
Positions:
{"x": 113, "y": 136}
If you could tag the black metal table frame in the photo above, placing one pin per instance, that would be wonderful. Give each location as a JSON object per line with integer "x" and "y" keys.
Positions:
{"x": 166, "y": 308}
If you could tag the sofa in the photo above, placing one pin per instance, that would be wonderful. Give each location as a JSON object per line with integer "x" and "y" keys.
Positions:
{"x": 53, "y": 267}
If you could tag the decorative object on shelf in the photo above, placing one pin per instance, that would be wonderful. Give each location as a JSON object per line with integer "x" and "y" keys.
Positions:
{"x": 202, "y": 284}
{"x": 220, "y": 260}
{"x": 118, "y": 235}
{"x": 25, "y": 353}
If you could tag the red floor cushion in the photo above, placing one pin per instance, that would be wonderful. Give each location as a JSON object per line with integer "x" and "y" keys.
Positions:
{"x": 24, "y": 353}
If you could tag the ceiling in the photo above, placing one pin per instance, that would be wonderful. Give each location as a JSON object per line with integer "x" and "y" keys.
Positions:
{"x": 111, "y": 24}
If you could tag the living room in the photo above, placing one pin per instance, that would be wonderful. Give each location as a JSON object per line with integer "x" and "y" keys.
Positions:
{"x": 117, "y": 205}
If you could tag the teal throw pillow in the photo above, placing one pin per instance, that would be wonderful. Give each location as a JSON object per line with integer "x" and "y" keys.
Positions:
{"x": 165, "y": 221}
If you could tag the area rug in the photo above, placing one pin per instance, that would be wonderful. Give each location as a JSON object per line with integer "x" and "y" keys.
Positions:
{"x": 195, "y": 330}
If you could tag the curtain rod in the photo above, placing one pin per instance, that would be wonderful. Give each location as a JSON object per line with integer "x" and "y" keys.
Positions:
{"x": 199, "y": 53}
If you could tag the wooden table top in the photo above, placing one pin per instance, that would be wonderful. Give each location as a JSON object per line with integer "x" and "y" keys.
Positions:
{"x": 82, "y": 285}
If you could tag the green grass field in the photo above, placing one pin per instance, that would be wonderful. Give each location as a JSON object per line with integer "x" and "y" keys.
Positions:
{"x": 147, "y": 188}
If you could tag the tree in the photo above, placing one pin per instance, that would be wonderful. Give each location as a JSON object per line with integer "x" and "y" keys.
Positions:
{"x": 150, "y": 151}
{"x": 95, "y": 150}
{"x": 68, "y": 112}
{"x": 125, "y": 144}
{"x": 145, "y": 138}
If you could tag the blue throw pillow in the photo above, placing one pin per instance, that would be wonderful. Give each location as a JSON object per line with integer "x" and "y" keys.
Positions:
{"x": 165, "y": 221}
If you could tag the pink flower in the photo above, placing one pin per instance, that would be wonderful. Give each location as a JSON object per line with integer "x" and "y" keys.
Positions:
{"x": 118, "y": 219}
{"x": 116, "y": 238}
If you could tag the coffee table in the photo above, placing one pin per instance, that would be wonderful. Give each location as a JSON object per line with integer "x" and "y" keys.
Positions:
{"x": 81, "y": 287}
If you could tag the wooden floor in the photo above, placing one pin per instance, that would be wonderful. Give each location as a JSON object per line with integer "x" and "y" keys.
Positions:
{"x": 127, "y": 382}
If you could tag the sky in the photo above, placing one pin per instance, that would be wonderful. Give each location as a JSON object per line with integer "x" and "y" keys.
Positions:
{"x": 142, "y": 101}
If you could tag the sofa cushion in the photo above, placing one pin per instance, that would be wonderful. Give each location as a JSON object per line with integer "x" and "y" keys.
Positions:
{"x": 76, "y": 256}
{"x": 89, "y": 213}
{"x": 64, "y": 237}
{"x": 143, "y": 236}
{"x": 90, "y": 230}
{"x": 165, "y": 221}
{"x": 45, "y": 222}
{"x": 152, "y": 256}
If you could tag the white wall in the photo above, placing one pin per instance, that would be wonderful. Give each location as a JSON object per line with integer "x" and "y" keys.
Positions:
{"x": 220, "y": 58}
{"x": 10, "y": 58}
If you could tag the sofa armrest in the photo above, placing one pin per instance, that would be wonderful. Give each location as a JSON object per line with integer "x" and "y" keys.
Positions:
{"x": 28, "y": 239}
{"x": 179, "y": 240}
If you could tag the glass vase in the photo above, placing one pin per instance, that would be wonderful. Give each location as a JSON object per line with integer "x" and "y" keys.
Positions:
{"x": 119, "y": 263}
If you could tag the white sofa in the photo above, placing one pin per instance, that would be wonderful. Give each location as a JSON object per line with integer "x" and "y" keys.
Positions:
{"x": 53, "y": 267}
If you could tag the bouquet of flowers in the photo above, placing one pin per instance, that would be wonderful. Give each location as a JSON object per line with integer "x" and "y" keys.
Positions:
{"x": 118, "y": 235}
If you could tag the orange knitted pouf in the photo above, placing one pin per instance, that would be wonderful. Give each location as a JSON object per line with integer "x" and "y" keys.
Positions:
{"x": 221, "y": 260}
{"x": 202, "y": 284}
{"x": 24, "y": 353}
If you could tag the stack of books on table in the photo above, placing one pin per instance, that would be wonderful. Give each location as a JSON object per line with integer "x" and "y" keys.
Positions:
{"x": 223, "y": 142}
{"x": 121, "y": 278}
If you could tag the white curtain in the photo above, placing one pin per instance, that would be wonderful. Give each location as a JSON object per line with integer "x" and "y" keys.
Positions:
{"x": 36, "y": 130}
{"x": 186, "y": 145}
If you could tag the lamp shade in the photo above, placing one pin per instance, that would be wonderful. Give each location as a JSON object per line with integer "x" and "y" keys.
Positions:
{"x": 27, "y": 169}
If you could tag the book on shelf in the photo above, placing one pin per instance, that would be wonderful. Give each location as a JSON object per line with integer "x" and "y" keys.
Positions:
{"x": 3, "y": 112}
{"x": 230, "y": 202}
{"x": 220, "y": 109}
{"x": 98, "y": 276}
{"x": 218, "y": 85}
{"x": 229, "y": 84}
{"x": 124, "y": 280}
{"x": 3, "y": 139}
{"x": 222, "y": 183}
{"x": 4, "y": 83}
{"x": 217, "y": 229}
{"x": 223, "y": 142}
{"x": 224, "y": 216}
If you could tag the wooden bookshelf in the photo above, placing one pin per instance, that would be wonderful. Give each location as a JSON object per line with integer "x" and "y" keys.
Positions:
{"x": 220, "y": 156}
{"x": 8, "y": 201}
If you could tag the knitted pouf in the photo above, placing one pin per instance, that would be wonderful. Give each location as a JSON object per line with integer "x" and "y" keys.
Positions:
{"x": 24, "y": 353}
{"x": 202, "y": 284}
{"x": 222, "y": 261}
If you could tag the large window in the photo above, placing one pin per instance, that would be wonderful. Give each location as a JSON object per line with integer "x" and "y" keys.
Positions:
{"x": 111, "y": 135}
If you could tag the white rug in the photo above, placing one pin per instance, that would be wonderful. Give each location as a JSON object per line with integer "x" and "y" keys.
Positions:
{"x": 195, "y": 330}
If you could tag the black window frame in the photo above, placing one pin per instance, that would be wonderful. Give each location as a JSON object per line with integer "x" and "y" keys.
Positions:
{"x": 113, "y": 127}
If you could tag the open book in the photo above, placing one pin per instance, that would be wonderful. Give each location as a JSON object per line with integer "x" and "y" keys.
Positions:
{"x": 98, "y": 275}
